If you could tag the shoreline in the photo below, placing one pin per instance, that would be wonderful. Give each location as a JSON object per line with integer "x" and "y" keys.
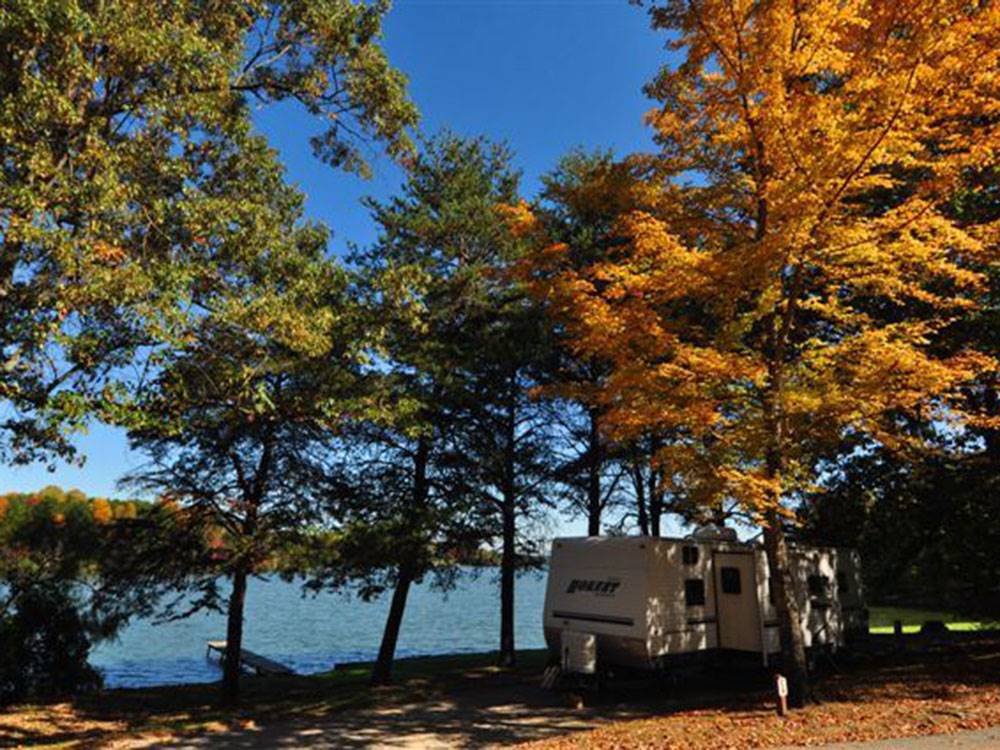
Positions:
{"x": 880, "y": 630}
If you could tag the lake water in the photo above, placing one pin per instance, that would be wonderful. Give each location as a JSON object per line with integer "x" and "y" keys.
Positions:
{"x": 311, "y": 634}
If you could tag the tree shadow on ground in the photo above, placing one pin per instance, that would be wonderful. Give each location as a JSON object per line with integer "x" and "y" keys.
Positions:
{"x": 482, "y": 706}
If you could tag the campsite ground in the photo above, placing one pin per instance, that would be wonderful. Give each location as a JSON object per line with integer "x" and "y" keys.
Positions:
{"x": 930, "y": 688}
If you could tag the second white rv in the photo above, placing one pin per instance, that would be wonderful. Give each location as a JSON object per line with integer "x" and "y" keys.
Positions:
{"x": 644, "y": 602}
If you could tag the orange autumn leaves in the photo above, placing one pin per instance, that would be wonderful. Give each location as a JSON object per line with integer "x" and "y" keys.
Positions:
{"x": 930, "y": 695}
{"x": 791, "y": 270}
{"x": 52, "y": 505}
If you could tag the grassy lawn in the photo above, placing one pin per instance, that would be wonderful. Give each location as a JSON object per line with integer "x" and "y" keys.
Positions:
{"x": 419, "y": 667}
{"x": 881, "y": 620}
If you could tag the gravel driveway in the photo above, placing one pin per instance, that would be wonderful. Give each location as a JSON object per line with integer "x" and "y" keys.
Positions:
{"x": 982, "y": 739}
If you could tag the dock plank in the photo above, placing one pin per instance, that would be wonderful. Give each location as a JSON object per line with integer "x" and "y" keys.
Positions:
{"x": 260, "y": 664}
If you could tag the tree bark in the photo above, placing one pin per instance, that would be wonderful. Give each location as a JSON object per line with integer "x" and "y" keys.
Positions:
{"x": 655, "y": 513}
{"x": 594, "y": 461}
{"x": 382, "y": 671}
{"x": 991, "y": 436}
{"x": 508, "y": 510}
{"x": 253, "y": 494}
{"x": 234, "y": 638}
{"x": 655, "y": 490}
{"x": 793, "y": 650}
{"x": 507, "y": 565}
{"x": 655, "y": 504}
{"x": 793, "y": 653}
{"x": 639, "y": 483}
{"x": 407, "y": 571}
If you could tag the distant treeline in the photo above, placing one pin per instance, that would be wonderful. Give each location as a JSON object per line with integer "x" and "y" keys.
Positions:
{"x": 74, "y": 569}
{"x": 61, "y": 508}
{"x": 56, "y": 503}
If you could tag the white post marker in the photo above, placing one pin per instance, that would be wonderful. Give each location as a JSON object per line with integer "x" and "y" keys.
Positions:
{"x": 781, "y": 684}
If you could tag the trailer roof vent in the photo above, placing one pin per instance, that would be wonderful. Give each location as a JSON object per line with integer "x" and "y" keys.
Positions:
{"x": 717, "y": 533}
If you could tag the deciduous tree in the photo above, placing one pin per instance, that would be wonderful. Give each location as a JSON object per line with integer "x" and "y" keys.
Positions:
{"x": 237, "y": 418}
{"x": 916, "y": 511}
{"x": 579, "y": 206}
{"x": 769, "y": 306}
{"x": 106, "y": 113}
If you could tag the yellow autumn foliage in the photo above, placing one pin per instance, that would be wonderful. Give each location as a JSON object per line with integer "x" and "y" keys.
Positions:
{"x": 101, "y": 511}
{"x": 793, "y": 258}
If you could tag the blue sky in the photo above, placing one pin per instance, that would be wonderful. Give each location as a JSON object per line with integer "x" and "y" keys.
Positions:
{"x": 544, "y": 75}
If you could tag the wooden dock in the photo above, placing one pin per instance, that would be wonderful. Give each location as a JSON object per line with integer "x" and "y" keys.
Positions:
{"x": 250, "y": 661}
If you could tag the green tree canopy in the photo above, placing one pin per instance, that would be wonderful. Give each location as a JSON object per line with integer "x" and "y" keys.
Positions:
{"x": 436, "y": 274}
{"x": 117, "y": 121}
{"x": 237, "y": 419}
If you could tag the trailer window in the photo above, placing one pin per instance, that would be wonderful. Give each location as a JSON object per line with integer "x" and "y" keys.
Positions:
{"x": 819, "y": 585}
{"x": 689, "y": 555}
{"x": 694, "y": 592}
{"x": 731, "y": 581}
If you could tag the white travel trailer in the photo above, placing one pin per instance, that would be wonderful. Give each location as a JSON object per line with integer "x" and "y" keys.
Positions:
{"x": 646, "y": 602}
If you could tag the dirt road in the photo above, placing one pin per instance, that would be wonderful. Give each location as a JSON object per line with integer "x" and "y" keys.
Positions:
{"x": 501, "y": 715}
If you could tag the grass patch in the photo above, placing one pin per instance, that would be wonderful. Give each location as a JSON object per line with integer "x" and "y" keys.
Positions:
{"x": 881, "y": 620}
{"x": 417, "y": 667}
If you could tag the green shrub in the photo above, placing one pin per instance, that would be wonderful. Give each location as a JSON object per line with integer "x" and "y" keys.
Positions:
{"x": 44, "y": 645}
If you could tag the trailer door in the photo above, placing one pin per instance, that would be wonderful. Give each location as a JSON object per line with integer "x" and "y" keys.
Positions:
{"x": 736, "y": 601}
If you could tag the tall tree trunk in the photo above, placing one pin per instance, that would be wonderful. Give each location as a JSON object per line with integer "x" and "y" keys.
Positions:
{"x": 382, "y": 672}
{"x": 655, "y": 489}
{"x": 655, "y": 513}
{"x": 508, "y": 511}
{"x": 594, "y": 462}
{"x": 991, "y": 437}
{"x": 639, "y": 483}
{"x": 407, "y": 571}
{"x": 507, "y": 566}
{"x": 655, "y": 504}
{"x": 253, "y": 494}
{"x": 793, "y": 650}
{"x": 234, "y": 637}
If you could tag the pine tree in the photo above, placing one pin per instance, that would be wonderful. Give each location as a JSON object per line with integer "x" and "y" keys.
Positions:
{"x": 432, "y": 277}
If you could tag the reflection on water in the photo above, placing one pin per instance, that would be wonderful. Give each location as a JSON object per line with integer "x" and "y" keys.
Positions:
{"x": 312, "y": 634}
